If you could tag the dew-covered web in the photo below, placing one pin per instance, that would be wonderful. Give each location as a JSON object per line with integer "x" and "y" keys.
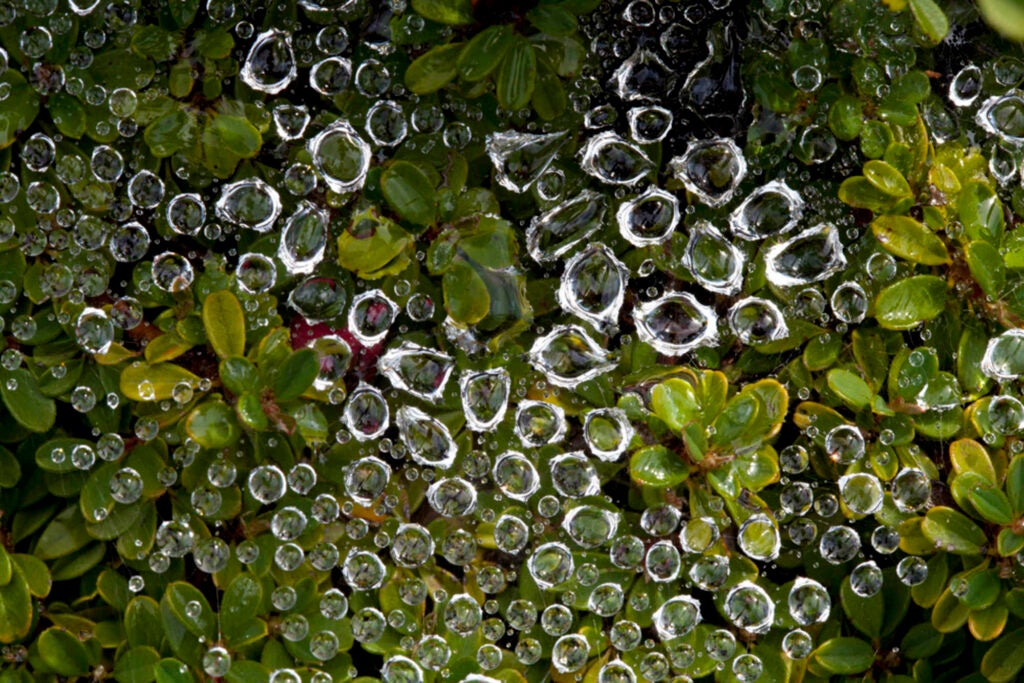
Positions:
{"x": 510, "y": 341}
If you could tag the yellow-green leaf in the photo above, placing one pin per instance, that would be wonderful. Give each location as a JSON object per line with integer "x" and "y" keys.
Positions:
{"x": 224, "y": 321}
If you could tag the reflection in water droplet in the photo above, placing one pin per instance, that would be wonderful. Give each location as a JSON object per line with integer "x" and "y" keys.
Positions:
{"x": 270, "y": 65}
{"x": 676, "y": 324}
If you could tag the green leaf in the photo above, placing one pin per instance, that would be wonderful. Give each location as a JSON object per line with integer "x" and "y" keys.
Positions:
{"x": 170, "y": 670}
{"x": 25, "y": 402}
{"x": 15, "y": 610}
{"x": 657, "y": 466}
{"x": 981, "y": 213}
{"x": 235, "y": 134}
{"x": 434, "y": 69}
{"x": 409, "y": 192}
{"x": 910, "y": 240}
{"x": 675, "y": 402}
{"x": 1015, "y": 484}
{"x": 453, "y": 12}
{"x": 142, "y": 622}
{"x": 466, "y": 297}
{"x": 296, "y": 374}
{"x": 845, "y": 117}
{"x": 953, "y": 531}
{"x": 213, "y": 424}
{"x": 169, "y": 133}
{"x": 239, "y": 375}
{"x": 370, "y": 255}
{"x": 484, "y": 52}
{"x": 64, "y": 535}
{"x": 63, "y": 653}
{"x": 866, "y": 614}
{"x": 183, "y": 11}
{"x": 18, "y": 109}
{"x": 858, "y": 192}
{"x": 238, "y": 611}
{"x": 967, "y": 455}
{"x": 552, "y": 19}
{"x": 136, "y": 665}
{"x": 887, "y": 179}
{"x": 1005, "y": 658}
{"x": 987, "y": 267}
{"x": 154, "y": 42}
{"x": 930, "y": 18}
{"x": 992, "y": 504}
{"x": 189, "y": 606}
{"x": 144, "y": 382}
{"x": 845, "y": 656}
{"x": 740, "y": 413}
{"x": 67, "y": 114}
{"x": 224, "y": 322}
{"x": 517, "y": 76}
{"x": 853, "y": 390}
{"x": 215, "y": 44}
{"x": 921, "y": 641}
{"x": 907, "y": 303}
{"x": 10, "y": 469}
{"x": 35, "y": 572}
{"x": 549, "y": 100}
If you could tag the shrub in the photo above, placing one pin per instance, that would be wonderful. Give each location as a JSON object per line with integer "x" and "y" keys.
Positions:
{"x": 518, "y": 341}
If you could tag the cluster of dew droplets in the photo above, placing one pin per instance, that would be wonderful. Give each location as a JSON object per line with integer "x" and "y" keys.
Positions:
{"x": 706, "y": 199}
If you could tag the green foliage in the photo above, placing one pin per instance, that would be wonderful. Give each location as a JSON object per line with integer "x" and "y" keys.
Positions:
{"x": 511, "y": 341}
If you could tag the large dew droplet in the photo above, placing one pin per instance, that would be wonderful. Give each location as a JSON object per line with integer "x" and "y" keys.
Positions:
{"x": 270, "y": 65}
{"x": 811, "y": 256}
{"x": 676, "y": 323}
{"x": 341, "y": 157}
{"x": 554, "y": 233}
{"x": 521, "y": 158}
{"x": 711, "y": 170}
{"x": 593, "y": 285}
{"x": 568, "y": 356}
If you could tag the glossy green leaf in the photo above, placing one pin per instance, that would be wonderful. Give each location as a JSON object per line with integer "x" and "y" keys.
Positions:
{"x": 675, "y": 402}
{"x": 844, "y": 656}
{"x": 930, "y": 19}
{"x": 466, "y": 297}
{"x": 910, "y": 240}
{"x": 981, "y": 213}
{"x": 235, "y": 134}
{"x": 953, "y": 532}
{"x": 136, "y": 665}
{"x": 224, "y": 321}
{"x": 517, "y": 76}
{"x": 484, "y": 52}
{"x": 849, "y": 386}
{"x": 170, "y": 670}
{"x": 142, "y": 622}
{"x": 987, "y": 267}
{"x": 657, "y": 466}
{"x": 296, "y": 374}
{"x": 15, "y": 609}
{"x": 453, "y": 12}
{"x": 144, "y": 382}
{"x": 1005, "y": 659}
{"x": 886, "y": 179}
{"x": 18, "y": 109}
{"x": 907, "y": 303}
{"x": 24, "y": 401}
{"x": 212, "y": 424}
{"x": 434, "y": 69}
{"x": 191, "y": 608}
{"x": 67, "y": 114}
{"x": 409, "y": 192}
{"x": 63, "y": 653}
